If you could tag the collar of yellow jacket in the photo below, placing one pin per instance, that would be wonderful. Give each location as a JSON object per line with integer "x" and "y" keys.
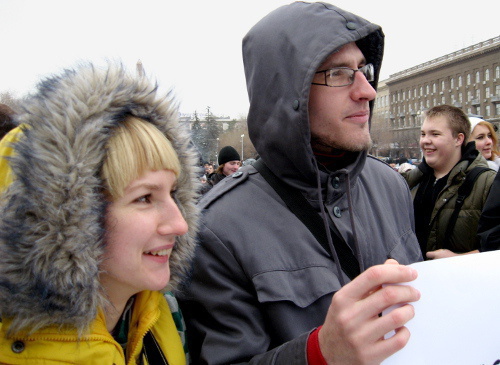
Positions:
{"x": 7, "y": 150}
{"x": 150, "y": 313}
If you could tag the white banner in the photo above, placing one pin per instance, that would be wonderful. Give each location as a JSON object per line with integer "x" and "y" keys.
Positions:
{"x": 457, "y": 319}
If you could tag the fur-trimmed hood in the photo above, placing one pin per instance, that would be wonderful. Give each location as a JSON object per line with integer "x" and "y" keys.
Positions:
{"x": 51, "y": 228}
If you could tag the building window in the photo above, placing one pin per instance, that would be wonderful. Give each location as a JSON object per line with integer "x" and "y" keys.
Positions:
{"x": 452, "y": 83}
{"x": 497, "y": 108}
{"x": 421, "y": 90}
{"x": 478, "y": 94}
{"x": 478, "y": 77}
{"x": 487, "y": 92}
{"x": 442, "y": 85}
{"x": 460, "y": 97}
{"x": 434, "y": 87}
{"x": 468, "y": 79}
{"x": 497, "y": 90}
{"x": 487, "y": 74}
{"x": 415, "y": 92}
{"x": 443, "y": 100}
{"x": 497, "y": 72}
{"x": 487, "y": 110}
{"x": 459, "y": 81}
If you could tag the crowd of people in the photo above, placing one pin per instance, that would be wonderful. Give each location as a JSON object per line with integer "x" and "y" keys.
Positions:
{"x": 114, "y": 250}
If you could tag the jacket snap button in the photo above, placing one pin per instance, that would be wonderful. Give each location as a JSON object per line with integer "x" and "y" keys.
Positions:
{"x": 351, "y": 26}
{"x": 337, "y": 212}
{"x": 237, "y": 174}
{"x": 336, "y": 183}
{"x": 18, "y": 347}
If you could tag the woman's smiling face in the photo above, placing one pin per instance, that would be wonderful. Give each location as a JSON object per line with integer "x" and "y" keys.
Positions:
{"x": 484, "y": 140}
{"x": 141, "y": 228}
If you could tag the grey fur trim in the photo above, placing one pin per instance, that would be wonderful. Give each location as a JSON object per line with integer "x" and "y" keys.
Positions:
{"x": 51, "y": 231}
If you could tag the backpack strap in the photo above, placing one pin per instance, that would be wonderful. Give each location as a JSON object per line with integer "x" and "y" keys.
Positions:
{"x": 299, "y": 206}
{"x": 463, "y": 192}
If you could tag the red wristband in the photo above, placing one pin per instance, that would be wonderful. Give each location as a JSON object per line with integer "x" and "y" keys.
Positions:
{"x": 314, "y": 355}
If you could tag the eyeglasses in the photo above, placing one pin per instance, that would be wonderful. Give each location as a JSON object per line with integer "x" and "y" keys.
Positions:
{"x": 344, "y": 76}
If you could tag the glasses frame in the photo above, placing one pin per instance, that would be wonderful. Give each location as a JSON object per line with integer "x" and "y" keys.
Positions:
{"x": 367, "y": 70}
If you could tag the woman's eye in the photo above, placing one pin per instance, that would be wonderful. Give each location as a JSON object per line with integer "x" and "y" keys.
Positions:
{"x": 144, "y": 199}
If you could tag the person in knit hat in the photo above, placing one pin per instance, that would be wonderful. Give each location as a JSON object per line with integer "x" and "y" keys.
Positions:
{"x": 229, "y": 162}
{"x": 97, "y": 223}
{"x": 483, "y": 133}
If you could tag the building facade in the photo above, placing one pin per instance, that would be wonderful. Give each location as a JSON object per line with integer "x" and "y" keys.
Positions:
{"x": 468, "y": 78}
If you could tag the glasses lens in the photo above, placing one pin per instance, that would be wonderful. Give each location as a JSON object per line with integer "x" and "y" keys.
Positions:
{"x": 368, "y": 71}
{"x": 339, "y": 76}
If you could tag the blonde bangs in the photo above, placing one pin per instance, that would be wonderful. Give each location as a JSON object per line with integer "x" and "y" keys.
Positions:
{"x": 135, "y": 147}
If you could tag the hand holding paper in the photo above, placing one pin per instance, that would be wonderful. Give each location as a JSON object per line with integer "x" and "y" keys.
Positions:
{"x": 353, "y": 330}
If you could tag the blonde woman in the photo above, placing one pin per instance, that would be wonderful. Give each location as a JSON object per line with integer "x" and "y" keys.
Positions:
{"x": 483, "y": 133}
{"x": 97, "y": 224}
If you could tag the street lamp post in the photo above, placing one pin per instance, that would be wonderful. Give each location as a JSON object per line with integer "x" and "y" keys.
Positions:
{"x": 217, "y": 151}
{"x": 242, "y": 146}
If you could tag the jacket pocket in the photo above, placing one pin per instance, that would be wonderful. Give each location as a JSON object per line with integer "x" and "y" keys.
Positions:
{"x": 301, "y": 286}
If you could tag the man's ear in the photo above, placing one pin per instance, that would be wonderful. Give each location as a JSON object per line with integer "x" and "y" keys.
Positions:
{"x": 460, "y": 139}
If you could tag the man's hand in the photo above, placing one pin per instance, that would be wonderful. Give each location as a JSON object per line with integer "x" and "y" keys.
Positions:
{"x": 353, "y": 332}
{"x": 444, "y": 253}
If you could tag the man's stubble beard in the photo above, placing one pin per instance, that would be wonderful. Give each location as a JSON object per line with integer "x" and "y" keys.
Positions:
{"x": 320, "y": 145}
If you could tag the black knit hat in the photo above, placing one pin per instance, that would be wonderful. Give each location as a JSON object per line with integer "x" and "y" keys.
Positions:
{"x": 227, "y": 154}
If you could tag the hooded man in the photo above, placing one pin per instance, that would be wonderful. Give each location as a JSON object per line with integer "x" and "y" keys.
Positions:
{"x": 263, "y": 280}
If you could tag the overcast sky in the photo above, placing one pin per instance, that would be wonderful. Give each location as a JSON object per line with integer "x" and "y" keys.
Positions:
{"x": 194, "y": 46}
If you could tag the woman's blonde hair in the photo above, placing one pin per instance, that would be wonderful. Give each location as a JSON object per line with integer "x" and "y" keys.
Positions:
{"x": 135, "y": 147}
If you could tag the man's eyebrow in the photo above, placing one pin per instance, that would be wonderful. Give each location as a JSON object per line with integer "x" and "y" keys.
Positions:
{"x": 344, "y": 63}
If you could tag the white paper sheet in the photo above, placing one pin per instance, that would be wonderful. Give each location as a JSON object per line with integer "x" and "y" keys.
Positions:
{"x": 457, "y": 319}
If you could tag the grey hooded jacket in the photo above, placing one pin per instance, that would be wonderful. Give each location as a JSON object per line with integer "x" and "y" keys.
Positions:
{"x": 51, "y": 227}
{"x": 261, "y": 281}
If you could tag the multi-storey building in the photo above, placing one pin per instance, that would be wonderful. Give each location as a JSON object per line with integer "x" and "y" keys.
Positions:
{"x": 468, "y": 78}
{"x": 380, "y": 130}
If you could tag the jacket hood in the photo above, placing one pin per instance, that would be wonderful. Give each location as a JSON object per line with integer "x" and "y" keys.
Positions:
{"x": 281, "y": 53}
{"x": 51, "y": 231}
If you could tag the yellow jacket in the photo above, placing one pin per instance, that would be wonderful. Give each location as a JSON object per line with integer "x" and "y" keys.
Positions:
{"x": 54, "y": 346}
{"x": 7, "y": 150}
